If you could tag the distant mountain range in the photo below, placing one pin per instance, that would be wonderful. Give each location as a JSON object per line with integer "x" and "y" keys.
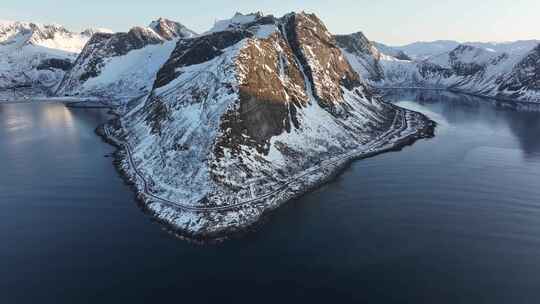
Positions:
{"x": 36, "y": 56}
{"x": 51, "y": 60}
{"x": 423, "y": 50}
{"x": 507, "y": 70}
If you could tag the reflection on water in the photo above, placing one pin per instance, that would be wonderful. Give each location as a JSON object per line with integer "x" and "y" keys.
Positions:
{"x": 521, "y": 120}
{"x": 453, "y": 219}
{"x": 57, "y": 117}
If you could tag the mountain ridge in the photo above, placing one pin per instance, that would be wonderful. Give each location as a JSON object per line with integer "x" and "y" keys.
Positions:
{"x": 122, "y": 65}
{"x": 34, "y": 57}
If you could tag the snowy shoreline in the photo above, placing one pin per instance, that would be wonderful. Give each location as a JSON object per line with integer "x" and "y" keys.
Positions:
{"x": 413, "y": 126}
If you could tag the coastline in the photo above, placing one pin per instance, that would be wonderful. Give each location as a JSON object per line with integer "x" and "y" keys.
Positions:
{"x": 260, "y": 208}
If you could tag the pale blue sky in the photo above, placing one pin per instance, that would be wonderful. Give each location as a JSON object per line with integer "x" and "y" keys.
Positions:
{"x": 393, "y": 22}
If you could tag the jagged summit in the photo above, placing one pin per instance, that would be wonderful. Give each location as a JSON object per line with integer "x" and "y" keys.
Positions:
{"x": 362, "y": 54}
{"x": 169, "y": 29}
{"x": 358, "y": 43}
{"x": 91, "y": 31}
{"x": 258, "y": 14}
{"x": 28, "y": 33}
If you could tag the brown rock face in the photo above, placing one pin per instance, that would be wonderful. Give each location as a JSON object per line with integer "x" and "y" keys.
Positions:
{"x": 270, "y": 72}
{"x": 271, "y": 88}
{"x": 323, "y": 61}
{"x": 169, "y": 29}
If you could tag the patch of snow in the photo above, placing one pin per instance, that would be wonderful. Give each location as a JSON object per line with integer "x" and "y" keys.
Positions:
{"x": 130, "y": 74}
{"x": 236, "y": 21}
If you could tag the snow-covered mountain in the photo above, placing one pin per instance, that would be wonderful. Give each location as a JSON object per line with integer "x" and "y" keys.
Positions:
{"x": 365, "y": 56}
{"x": 419, "y": 50}
{"x": 36, "y": 56}
{"x": 523, "y": 82}
{"x": 504, "y": 70}
{"x": 390, "y": 51}
{"x": 123, "y": 65}
{"x": 247, "y": 116}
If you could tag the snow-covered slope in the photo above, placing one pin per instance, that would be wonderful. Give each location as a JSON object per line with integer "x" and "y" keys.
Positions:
{"x": 512, "y": 47}
{"x": 246, "y": 117}
{"x": 419, "y": 50}
{"x": 523, "y": 82}
{"x": 123, "y": 65}
{"x": 35, "y": 56}
{"x": 424, "y": 50}
{"x": 239, "y": 20}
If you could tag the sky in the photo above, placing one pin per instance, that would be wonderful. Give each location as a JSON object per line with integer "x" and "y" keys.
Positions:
{"x": 390, "y": 22}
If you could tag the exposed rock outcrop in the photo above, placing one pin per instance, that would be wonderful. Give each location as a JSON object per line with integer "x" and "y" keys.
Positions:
{"x": 169, "y": 29}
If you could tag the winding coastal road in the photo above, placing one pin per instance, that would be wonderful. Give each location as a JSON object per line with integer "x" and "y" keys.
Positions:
{"x": 399, "y": 124}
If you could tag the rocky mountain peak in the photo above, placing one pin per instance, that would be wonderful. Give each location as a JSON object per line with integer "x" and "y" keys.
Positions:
{"x": 256, "y": 15}
{"x": 91, "y": 31}
{"x": 169, "y": 29}
{"x": 357, "y": 43}
{"x": 144, "y": 34}
{"x": 324, "y": 64}
{"x": 361, "y": 52}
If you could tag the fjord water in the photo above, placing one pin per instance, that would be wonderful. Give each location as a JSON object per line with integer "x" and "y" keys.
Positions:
{"x": 453, "y": 219}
